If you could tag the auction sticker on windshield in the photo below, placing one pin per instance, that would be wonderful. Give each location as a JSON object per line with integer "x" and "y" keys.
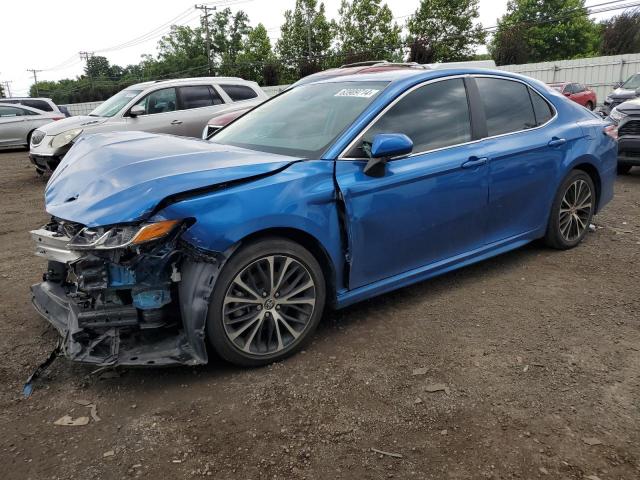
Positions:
{"x": 357, "y": 92}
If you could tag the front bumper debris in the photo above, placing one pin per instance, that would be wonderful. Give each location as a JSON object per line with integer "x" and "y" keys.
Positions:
{"x": 46, "y": 163}
{"x": 135, "y": 306}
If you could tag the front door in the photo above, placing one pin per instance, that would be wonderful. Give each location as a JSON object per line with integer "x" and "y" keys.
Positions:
{"x": 13, "y": 128}
{"x": 427, "y": 207}
{"x": 161, "y": 113}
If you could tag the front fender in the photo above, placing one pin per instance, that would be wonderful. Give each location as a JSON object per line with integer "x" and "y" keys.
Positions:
{"x": 301, "y": 197}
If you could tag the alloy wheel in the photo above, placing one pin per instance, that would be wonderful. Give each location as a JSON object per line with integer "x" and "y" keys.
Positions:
{"x": 268, "y": 305}
{"x": 575, "y": 210}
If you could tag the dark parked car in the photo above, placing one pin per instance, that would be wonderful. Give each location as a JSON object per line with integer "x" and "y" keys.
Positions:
{"x": 626, "y": 117}
{"x": 328, "y": 194}
{"x": 623, "y": 92}
{"x": 578, "y": 93}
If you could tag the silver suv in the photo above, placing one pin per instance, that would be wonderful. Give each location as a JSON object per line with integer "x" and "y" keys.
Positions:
{"x": 178, "y": 107}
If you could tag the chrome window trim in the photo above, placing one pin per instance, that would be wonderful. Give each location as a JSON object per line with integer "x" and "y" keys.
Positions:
{"x": 415, "y": 87}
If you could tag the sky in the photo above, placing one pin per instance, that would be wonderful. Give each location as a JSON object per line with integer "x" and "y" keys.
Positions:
{"x": 48, "y": 34}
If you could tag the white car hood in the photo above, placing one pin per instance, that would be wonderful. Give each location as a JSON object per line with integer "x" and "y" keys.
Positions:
{"x": 81, "y": 121}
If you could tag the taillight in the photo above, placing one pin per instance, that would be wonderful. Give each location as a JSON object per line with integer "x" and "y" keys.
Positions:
{"x": 611, "y": 131}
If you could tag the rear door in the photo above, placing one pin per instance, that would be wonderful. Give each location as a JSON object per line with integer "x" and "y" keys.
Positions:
{"x": 525, "y": 148}
{"x": 13, "y": 127}
{"x": 198, "y": 103}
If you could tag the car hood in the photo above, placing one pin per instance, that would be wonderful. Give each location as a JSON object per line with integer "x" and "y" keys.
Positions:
{"x": 620, "y": 93}
{"x": 629, "y": 106}
{"x": 80, "y": 121}
{"x": 120, "y": 177}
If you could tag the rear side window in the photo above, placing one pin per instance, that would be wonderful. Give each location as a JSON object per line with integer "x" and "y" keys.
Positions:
{"x": 541, "y": 108}
{"x": 6, "y": 112}
{"x": 239, "y": 92}
{"x": 198, "y": 96}
{"x": 39, "y": 104}
{"x": 507, "y": 105}
{"x": 433, "y": 116}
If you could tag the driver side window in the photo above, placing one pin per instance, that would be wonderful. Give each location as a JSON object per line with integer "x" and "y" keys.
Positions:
{"x": 160, "y": 101}
{"x": 433, "y": 116}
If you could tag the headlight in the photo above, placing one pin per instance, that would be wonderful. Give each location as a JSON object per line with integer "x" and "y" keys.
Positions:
{"x": 65, "y": 138}
{"x": 120, "y": 237}
{"x": 616, "y": 115}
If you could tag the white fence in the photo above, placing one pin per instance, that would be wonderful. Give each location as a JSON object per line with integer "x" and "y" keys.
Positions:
{"x": 598, "y": 73}
{"x": 81, "y": 108}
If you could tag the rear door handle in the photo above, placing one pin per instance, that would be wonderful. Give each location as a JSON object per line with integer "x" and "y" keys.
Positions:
{"x": 475, "y": 162}
{"x": 556, "y": 142}
{"x": 176, "y": 122}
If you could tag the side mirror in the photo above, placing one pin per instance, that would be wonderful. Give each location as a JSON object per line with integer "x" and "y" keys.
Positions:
{"x": 637, "y": 92}
{"x": 137, "y": 110}
{"x": 384, "y": 147}
{"x": 567, "y": 94}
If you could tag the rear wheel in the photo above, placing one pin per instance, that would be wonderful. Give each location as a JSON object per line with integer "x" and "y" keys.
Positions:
{"x": 571, "y": 212}
{"x": 623, "y": 169}
{"x": 267, "y": 303}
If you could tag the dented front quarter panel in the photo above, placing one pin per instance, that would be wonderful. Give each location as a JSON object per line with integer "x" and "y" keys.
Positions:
{"x": 300, "y": 198}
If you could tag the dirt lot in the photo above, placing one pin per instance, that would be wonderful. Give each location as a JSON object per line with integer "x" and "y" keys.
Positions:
{"x": 539, "y": 352}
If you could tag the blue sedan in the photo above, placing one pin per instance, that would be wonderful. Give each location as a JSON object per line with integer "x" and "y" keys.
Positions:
{"x": 163, "y": 250}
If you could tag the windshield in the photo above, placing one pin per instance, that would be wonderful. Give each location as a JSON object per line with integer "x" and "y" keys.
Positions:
{"x": 632, "y": 83}
{"x": 303, "y": 121}
{"x": 114, "y": 104}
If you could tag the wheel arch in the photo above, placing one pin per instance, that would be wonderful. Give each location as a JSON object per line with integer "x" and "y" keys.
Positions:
{"x": 593, "y": 173}
{"x": 309, "y": 242}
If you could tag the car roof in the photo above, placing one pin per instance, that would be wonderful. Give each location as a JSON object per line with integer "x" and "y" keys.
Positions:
{"x": 46, "y": 99}
{"x": 19, "y": 105}
{"x": 177, "y": 81}
{"x": 410, "y": 75}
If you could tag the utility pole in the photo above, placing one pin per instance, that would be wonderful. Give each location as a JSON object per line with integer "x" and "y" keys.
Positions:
{"x": 86, "y": 56}
{"x": 7, "y": 88}
{"x": 309, "y": 32}
{"x": 205, "y": 19}
{"x": 35, "y": 78}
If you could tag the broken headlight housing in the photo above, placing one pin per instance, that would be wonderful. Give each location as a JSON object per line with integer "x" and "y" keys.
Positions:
{"x": 120, "y": 236}
{"x": 65, "y": 138}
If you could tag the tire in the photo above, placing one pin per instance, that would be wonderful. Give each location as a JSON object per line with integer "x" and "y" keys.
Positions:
{"x": 624, "y": 169}
{"x": 589, "y": 105}
{"x": 569, "y": 218}
{"x": 29, "y": 139}
{"x": 268, "y": 326}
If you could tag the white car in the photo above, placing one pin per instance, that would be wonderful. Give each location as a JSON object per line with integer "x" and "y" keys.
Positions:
{"x": 41, "y": 103}
{"x": 18, "y": 122}
{"x": 179, "y": 107}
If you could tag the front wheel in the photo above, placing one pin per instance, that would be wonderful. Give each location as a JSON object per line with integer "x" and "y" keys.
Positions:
{"x": 267, "y": 303}
{"x": 571, "y": 212}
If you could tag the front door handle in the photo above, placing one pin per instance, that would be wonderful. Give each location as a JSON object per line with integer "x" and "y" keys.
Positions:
{"x": 176, "y": 122}
{"x": 475, "y": 162}
{"x": 556, "y": 142}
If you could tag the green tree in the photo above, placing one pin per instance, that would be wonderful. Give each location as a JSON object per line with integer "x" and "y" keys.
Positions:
{"x": 229, "y": 32}
{"x": 98, "y": 66}
{"x": 305, "y": 39}
{"x": 621, "y": 34}
{"x": 366, "y": 31}
{"x": 545, "y": 30}
{"x": 181, "y": 53}
{"x": 255, "y": 55}
{"x": 444, "y": 31}
{"x": 2, "y": 91}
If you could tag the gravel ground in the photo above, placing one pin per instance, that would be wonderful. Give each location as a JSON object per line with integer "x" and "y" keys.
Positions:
{"x": 535, "y": 356}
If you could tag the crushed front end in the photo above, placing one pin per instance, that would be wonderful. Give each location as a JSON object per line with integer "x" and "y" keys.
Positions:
{"x": 115, "y": 294}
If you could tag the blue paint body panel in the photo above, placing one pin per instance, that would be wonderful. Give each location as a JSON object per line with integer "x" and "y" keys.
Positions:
{"x": 426, "y": 215}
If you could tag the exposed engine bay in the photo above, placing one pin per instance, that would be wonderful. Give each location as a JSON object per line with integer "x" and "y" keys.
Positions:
{"x": 125, "y": 295}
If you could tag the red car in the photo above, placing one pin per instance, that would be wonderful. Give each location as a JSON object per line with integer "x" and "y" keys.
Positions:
{"x": 578, "y": 93}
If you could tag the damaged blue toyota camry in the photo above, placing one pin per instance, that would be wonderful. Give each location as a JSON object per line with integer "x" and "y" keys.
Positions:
{"x": 165, "y": 250}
